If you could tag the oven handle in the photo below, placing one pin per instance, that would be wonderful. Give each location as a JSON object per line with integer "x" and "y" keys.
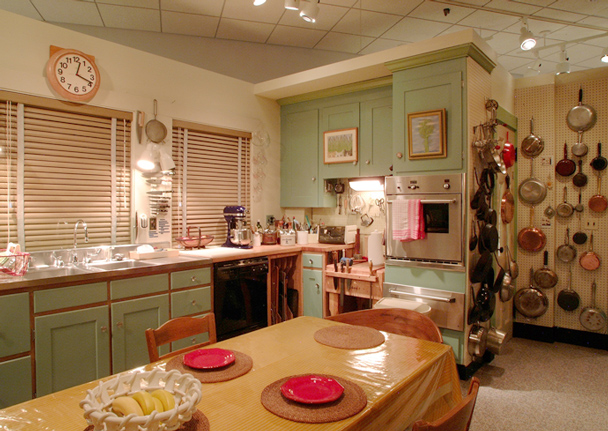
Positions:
{"x": 434, "y": 201}
{"x": 418, "y": 295}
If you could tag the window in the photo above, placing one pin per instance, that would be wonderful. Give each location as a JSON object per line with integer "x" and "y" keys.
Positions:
{"x": 63, "y": 163}
{"x": 212, "y": 171}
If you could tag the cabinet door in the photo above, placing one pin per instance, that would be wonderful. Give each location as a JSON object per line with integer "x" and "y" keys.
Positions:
{"x": 14, "y": 324}
{"x": 71, "y": 348}
{"x": 130, "y": 319}
{"x": 424, "y": 93}
{"x": 376, "y": 137}
{"x": 300, "y": 183}
{"x": 338, "y": 117}
{"x": 16, "y": 378}
{"x": 312, "y": 289}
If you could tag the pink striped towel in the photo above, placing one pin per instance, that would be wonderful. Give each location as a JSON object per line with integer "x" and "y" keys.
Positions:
{"x": 408, "y": 220}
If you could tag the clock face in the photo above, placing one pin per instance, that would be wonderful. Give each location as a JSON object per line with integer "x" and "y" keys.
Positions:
{"x": 73, "y": 75}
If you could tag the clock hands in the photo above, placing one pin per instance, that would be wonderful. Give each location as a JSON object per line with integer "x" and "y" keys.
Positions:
{"x": 80, "y": 76}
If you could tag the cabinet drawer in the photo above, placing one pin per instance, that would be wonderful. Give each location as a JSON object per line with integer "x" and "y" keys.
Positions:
{"x": 70, "y": 296}
{"x": 139, "y": 286}
{"x": 14, "y": 324}
{"x": 16, "y": 378}
{"x": 310, "y": 260}
{"x": 188, "y": 302}
{"x": 190, "y": 341}
{"x": 190, "y": 278}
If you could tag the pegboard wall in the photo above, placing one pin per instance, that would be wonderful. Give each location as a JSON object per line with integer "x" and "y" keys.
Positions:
{"x": 549, "y": 105}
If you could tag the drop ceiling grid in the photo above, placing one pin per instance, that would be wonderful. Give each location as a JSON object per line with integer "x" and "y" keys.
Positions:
{"x": 566, "y": 96}
{"x": 537, "y": 102}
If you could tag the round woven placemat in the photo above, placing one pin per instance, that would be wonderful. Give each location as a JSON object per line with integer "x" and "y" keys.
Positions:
{"x": 199, "y": 422}
{"x": 352, "y": 401}
{"x": 241, "y": 365}
{"x": 349, "y": 337}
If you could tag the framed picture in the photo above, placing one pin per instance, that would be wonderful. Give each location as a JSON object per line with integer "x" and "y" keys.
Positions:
{"x": 340, "y": 146}
{"x": 426, "y": 134}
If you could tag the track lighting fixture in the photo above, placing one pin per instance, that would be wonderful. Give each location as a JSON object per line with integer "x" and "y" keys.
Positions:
{"x": 604, "y": 58}
{"x": 563, "y": 66}
{"x": 309, "y": 9}
{"x": 258, "y": 2}
{"x": 292, "y": 4}
{"x": 526, "y": 40}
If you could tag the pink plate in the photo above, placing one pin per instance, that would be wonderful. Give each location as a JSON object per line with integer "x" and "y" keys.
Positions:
{"x": 312, "y": 389}
{"x": 208, "y": 358}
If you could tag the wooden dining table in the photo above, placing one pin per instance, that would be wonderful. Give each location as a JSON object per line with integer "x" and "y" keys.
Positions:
{"x": 404, "y": 379}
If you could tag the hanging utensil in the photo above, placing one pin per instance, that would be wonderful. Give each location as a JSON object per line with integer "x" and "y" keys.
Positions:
{"x": 482, "y": 267}
{"x": 580, "y": 179}
{"x": 508, "y": 153}
{"x": 564, "y": 209}
{"x": 532, "y": 145}
{"x": 568, "y": 299}
{"x": 579, "y": 149}
{"x": 475, "y": 310}
{"x": 579, "y": 237}
{"x": 581, "y": 117}
{"x": 579, "y": 208}
{"x": 545, "y": 277}
{"x": 599, "y": 163}
{"x": 598, "y": 202}
{"x": 507, "y": 290}
{"x": 531, "y": 238}
{"x": 565, "y": 252}
{"x": 530, "y": 301}
{"x": 593, "y": 318}
{"x": 507, "y": 203}
{"x": 477, "y": 340}
{"x": 565, "y": 167}
{"x": 155, "y": 130}
{"x": 549, "y": 212}
{"x": 513, "y": 266}
{"x": 589, "y": 260}
{"x": 532, "y": 191}
{"x": 474, "y": 238}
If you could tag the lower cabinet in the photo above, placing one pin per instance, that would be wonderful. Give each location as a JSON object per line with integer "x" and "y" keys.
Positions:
{"x": 16, "y": 378}
{"x": 72, "y": 348}
{"x": 312, "y": 284}
{"x": 130, "y": 319}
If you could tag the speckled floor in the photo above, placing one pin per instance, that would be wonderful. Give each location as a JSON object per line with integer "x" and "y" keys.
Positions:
{"x": 540, "y": 386}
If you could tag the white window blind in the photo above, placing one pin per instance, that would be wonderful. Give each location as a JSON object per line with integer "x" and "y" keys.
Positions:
{"x": 212, "y": 171}
{"x": 70, "y": 166}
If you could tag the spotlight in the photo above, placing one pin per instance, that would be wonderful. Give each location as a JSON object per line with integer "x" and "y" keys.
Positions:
{"x": 309, "y": 10}
{"x": 258, "y": 2}
{"x": 563, "y": 66}
{"x": 292, "y": 4}
{"x": 526, "y": 40}
{"x": 604, "y": 58}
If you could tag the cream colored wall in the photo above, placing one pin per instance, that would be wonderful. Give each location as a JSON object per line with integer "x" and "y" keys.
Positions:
{"x": 132, "y": 79}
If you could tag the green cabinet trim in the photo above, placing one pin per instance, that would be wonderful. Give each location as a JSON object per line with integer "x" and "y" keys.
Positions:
{"x": 16, "y": 378}
{"x": 14, "y": 324}
{"x": 136, "y": 286}
{"x": 189, "y": 302}
{"x": 452, "y": 281}
{"x": 190, "y": 278}
{"x": 70, "y": 296}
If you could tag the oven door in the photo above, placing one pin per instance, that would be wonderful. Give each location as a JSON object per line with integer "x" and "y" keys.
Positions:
{"x": 443, "y": 226}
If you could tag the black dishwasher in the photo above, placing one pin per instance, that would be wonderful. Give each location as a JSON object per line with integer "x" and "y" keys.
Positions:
{"x": 240, "y": 296}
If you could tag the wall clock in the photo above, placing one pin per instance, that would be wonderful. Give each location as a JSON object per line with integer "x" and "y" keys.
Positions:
{"x": 73, "y": 74}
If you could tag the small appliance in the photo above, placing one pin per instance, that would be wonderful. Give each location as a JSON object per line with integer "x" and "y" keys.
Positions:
{"x": 337, "y": 234}
{"x": 239, "y": 235}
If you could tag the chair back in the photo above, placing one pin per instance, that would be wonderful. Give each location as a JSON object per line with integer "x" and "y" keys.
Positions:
{"x": 177, "y": 329}
{"x": 458, "y": 418}
{"x": 394, "y": 320}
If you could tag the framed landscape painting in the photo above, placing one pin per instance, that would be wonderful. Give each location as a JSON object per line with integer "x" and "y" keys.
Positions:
{"x": 340, "y": 146}
{"x": 426, "y": 134}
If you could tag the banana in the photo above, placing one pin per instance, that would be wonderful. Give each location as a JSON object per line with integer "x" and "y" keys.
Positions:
{"x": 124, "y": 406}
{"x": 158, "y": 406}
{"x": 165, "y": 397}
{"x": 145, "y": 401}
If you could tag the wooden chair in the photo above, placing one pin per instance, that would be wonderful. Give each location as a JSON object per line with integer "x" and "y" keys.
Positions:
{"x": 394, "y": 320}
{"x": 457, "y": 419}
{"x": 176, "y": 329}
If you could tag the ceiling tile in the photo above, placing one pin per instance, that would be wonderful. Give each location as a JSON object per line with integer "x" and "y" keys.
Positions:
{"x": 20, "y": 8}
{"x": 269, "y": 12}
{"x": 328, "y": 17}
{"x": 600, "y": 41}
{"x": 596, "y": 21}
{"x": 571, "y": 32}
{"x": 435, "y": 11}
{"x": 130, "y": 17}
{"x": 475, "y": 2}
{"x": 244, "y": 30}
{"x": 485, "y": 34}
{"x": 381, "y": 45}
{"x": 399, "y": 7}
{"x": 579, "y": 53}
{"x": 414, "y": 29}
{"x": 207, "y": 7}
{"x": 189, "y": 24}
{"x": 592, "y": 64}
{"x": 69, "y": 12}
{"x": 367, "y": 23}
{"x": 536, "y": 26}
{"x": 296, "y": 36}
{"x": 489, "y": 20}
{"x": 559, "y": 14}
{"x": 513, "y": 6}
{"x": 580, "y": 6}
{"x": 542, "y": 3}
{"x": 148, "y": 4}
{"x": 510, "y": 62}
{"x": 345, "y": 3}
{"x": 343, "y": 42}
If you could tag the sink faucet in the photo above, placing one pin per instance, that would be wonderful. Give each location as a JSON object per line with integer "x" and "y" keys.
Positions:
{"x": 86, "y": 232}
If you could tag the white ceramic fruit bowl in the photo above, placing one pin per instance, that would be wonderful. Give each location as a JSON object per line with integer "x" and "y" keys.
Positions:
{"x": 185, "y": 388}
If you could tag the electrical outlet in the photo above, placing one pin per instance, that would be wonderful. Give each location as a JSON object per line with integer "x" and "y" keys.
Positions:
{"x": 592, "y": 225}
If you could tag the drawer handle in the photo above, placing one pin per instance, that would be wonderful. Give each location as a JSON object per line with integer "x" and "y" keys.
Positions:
{"x": 194, "y": 279}
{"x": 310, "y": 262}
{"x": 119, "y": 324}
{"x": 104, "y": 329}
{"x": 194, "y": 302}
{"x": 193, "y": 341}
{"x": 318, "y": 287}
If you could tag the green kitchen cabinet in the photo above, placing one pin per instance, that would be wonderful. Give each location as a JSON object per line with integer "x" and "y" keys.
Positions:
{"x": 130, "y": 319}
{"x": 72, "y": 348}
{"x": 312, "y": 284}
{"x": 338, "y": 117}
{"x": 14, "y": 324}
{"x": 16, "y": 378}
{"x": 376, "y": 137}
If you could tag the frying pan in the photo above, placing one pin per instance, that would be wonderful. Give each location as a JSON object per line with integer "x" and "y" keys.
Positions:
{"x": 582, "y": 117}
{"x": 482, "y": 267}
{"x": 565, "y": 167}
{"x": 531, "y": 238}
{"x": 532, "y": 191}
{"x": 579, "y": 237}
{"x": 545, "y": 277}
{"x": 580, "y": 179}
{"x": 508, "y": 153}
{"x": 507, "y": 203}
{"x": 589, "y": 260}
{"x": 513, "y": 266}
{"x": 593, "y": 318}
{"x": 530, "y": 301}
{"x": 495, "y": 286}
{"x": 486, "y": 300}
{"x": 599, "y": 163}
{"x": 568, "y": 299}
{"x": 579, "y": 208}
{"x": 155, "y": 130}
{"x": 474, "y": 238}
{"x": 488, "y": 239}
{"x": 579, "y": 149}
{"x": 565, "y": 209}
{"x": 532, "y": 145}
{"x": 475, "y": 310}
{"x": 565, "y": 252}
{"x": 598, "y": 203}
{"x": 506, "y": 288}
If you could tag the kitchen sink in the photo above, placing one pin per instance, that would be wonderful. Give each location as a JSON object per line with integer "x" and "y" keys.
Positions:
{"x": 51, "y": 271}
{"x": 123, "y": 264}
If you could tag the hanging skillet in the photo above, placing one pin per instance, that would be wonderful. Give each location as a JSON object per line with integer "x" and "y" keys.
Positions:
{"x": 598, "y": 203}
{"x": 545, "y": 277}
{"x": 532, "y": 191}
{"x": 580, "y": 149}
{"x": 568, "y": 299}
{"x": 532, "y": 145}
{"x": 582, "y": 117}
{"x": 565, "y": 252}
{"x": 531, "y": 238}
{"x": 507, "y": 203}
{"x": 593, "y": 318}
{"x": 589, "y": 260}
{"x": 530, "y": 301}
{"x": 565, "y": 209}
{"x": 580, "y": 179}
{"x": 599, "y": 163}
{"x": 565, "y": 167}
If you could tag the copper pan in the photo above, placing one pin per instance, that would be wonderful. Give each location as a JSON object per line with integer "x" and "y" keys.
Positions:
{"x": 507, "y": 203}
{"x": 589, "y": 260}
{"x": 531, "y": 238}
{"x": 598, "y": 203}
